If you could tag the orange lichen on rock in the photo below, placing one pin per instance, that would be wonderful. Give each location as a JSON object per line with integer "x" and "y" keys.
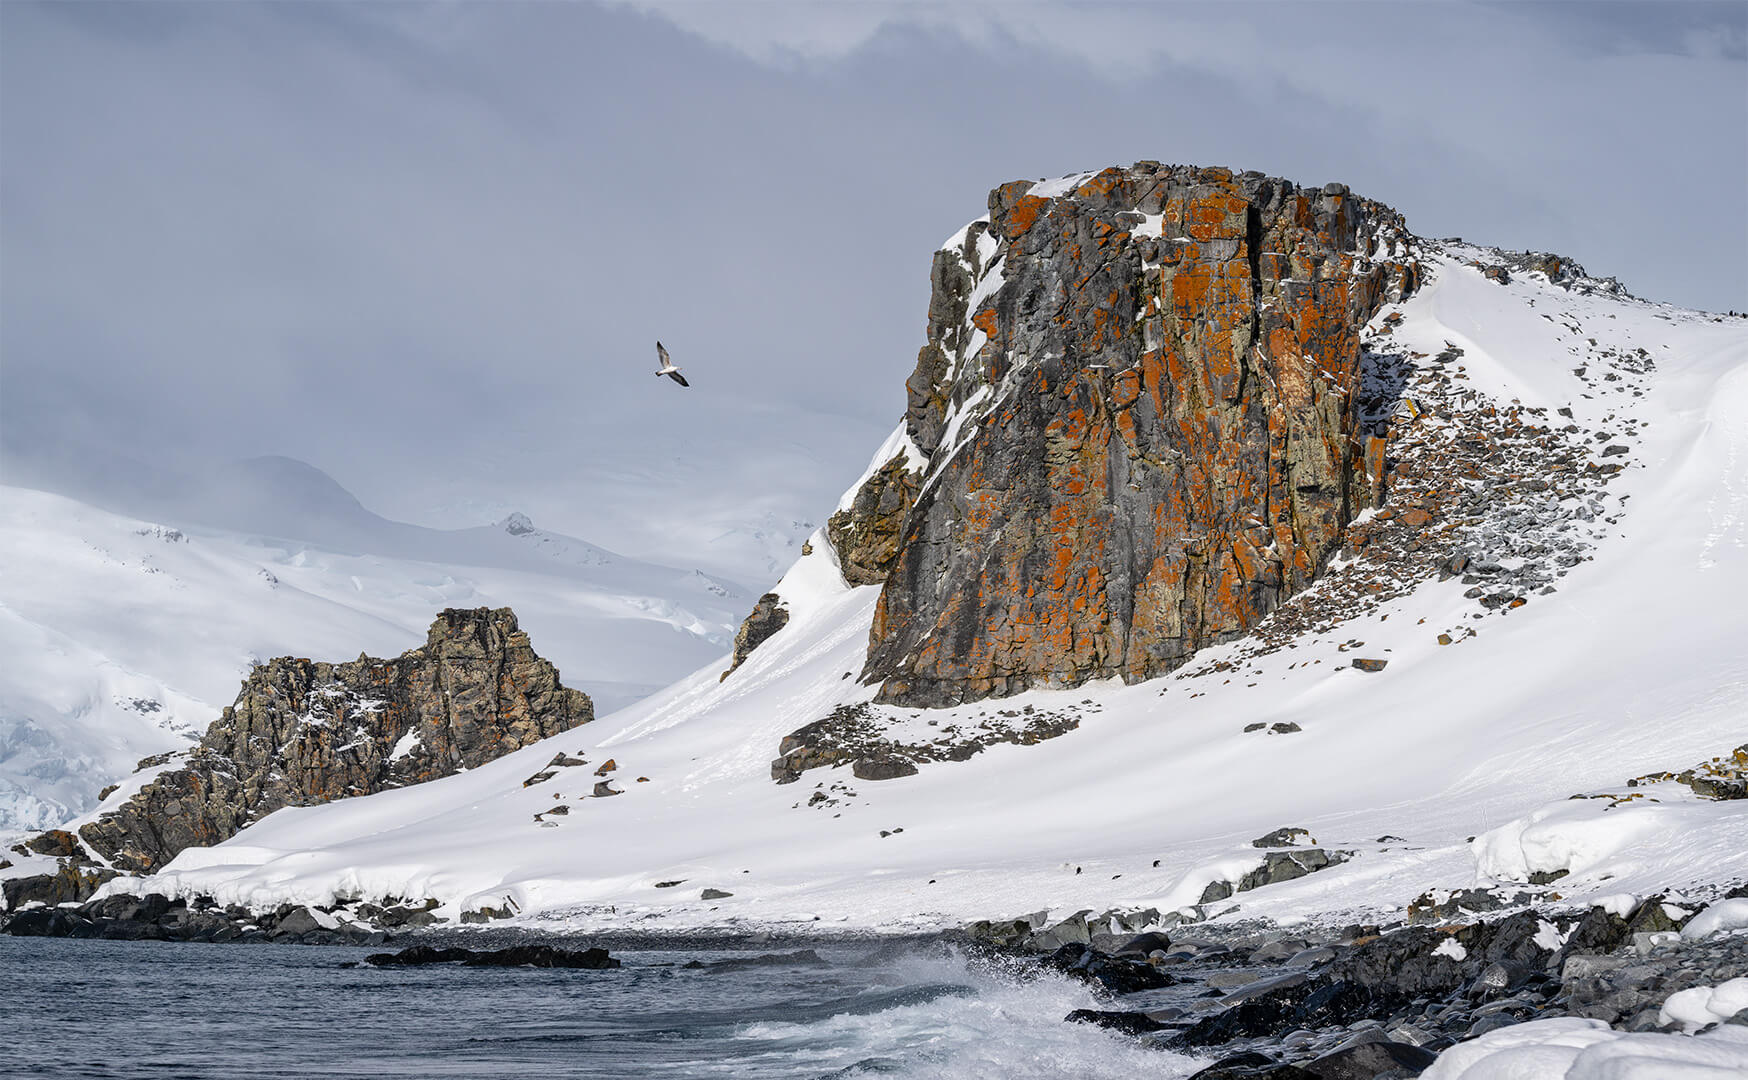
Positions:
{"x": 1181, "y": 454}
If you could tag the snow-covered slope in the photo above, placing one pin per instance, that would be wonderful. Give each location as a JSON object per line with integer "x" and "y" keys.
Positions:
{"x": 124, "y": 638}
{"x": 1638, "y": 662}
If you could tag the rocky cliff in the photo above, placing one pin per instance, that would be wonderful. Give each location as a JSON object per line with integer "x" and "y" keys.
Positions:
{"x": 304, "y": 732}
{"x": 1138, "y": 408}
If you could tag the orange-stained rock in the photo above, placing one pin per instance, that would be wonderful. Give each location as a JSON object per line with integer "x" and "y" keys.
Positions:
{"x": 866, "y": 534}
{"x": 1142, "y": 439}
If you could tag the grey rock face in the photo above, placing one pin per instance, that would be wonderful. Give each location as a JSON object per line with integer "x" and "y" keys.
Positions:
{"x": 1371, "y": 1059}
{"x": 303, "y": 732}
{"x": 767, "y": 617}
{"x": 1277, "y": 866}
{"x": 73, "y": 879}
{"x": 1285, "y": 836}
{"x": 867, "y": 534}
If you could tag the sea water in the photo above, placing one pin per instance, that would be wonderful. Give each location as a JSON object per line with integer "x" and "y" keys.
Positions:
{"x": 162, "y": 1009}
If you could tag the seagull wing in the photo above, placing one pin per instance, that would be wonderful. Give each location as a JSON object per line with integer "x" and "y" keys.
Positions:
{"x": 662, "y": 357}
{"x": 677, "y": 377}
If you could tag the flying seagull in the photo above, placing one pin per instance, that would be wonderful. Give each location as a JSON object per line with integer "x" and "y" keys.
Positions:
{"x": 667, "y": 366}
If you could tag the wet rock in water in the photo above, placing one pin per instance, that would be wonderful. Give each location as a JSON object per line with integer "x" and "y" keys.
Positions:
{"x": 1371, "y": 1059}
{"x": 542, "y": 956}
{"x": 1074, "y": 930}
{"x": 43, "y": 922}
{"x": 1318, "y": 1002}
{"x": 73, "y": 880}
{"x": 798, "y": 958}
{"x": 1005, "y": 933}
{"x": 1117, "y": 976}
{"x": 1268, "y": 984}
{"x": 1145, "y": 944}
{"x": 1408, "y": 963}
{"x": 298, "y": 921}
{"x": 1129, "y": 1023}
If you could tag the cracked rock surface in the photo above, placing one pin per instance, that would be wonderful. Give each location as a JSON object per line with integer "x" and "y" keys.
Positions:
{"x": 303, "y": 732}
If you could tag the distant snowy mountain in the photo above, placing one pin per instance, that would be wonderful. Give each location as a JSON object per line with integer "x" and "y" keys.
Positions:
{"x": 124, "y": 637}
{"x": 769, "y": 540}
{"x": 1531, "y": 502}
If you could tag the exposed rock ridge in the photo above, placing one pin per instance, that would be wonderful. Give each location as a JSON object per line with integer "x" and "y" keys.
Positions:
{"x": 767, "y": 617}
{"x": 866, "y": 533}
{"x": 303, "y": 732}
{"x": 1137, "y": 402}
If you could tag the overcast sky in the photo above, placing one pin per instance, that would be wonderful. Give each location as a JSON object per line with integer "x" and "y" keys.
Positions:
{"x": 429, "y": 248}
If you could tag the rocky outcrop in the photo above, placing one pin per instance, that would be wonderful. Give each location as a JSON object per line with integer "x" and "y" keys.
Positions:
{"x": 1137, "y": 403}
{"x": 304, "y": 732}
{"x": 1724, "y": 778}
{"x": 866, "y": 534}
{"x": 767, "y": 617}
{"x": 855, "y": 735}
{"x": 540, "y": 956}
{"x": 1277, "y": 866}
{"x": 73, "y": 879}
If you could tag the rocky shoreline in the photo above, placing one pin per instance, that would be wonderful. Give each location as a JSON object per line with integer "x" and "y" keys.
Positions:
{"x": 1268, "y": 1002}
{"x": 1367, "y": 1001}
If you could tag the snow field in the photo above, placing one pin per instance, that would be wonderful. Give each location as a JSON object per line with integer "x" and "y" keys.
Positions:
{"x": 1633, "y": 666}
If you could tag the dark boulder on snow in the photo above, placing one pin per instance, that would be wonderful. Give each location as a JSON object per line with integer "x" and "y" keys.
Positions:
{"x": 1252, "y": 1065}
{"x": 1129, "y": 1023}
{"x": 1313, "y": 1003}
{"x": 767, "y": 617}
{"x": 1116, "y": 976}
{"x": 1367, "y": 1058}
